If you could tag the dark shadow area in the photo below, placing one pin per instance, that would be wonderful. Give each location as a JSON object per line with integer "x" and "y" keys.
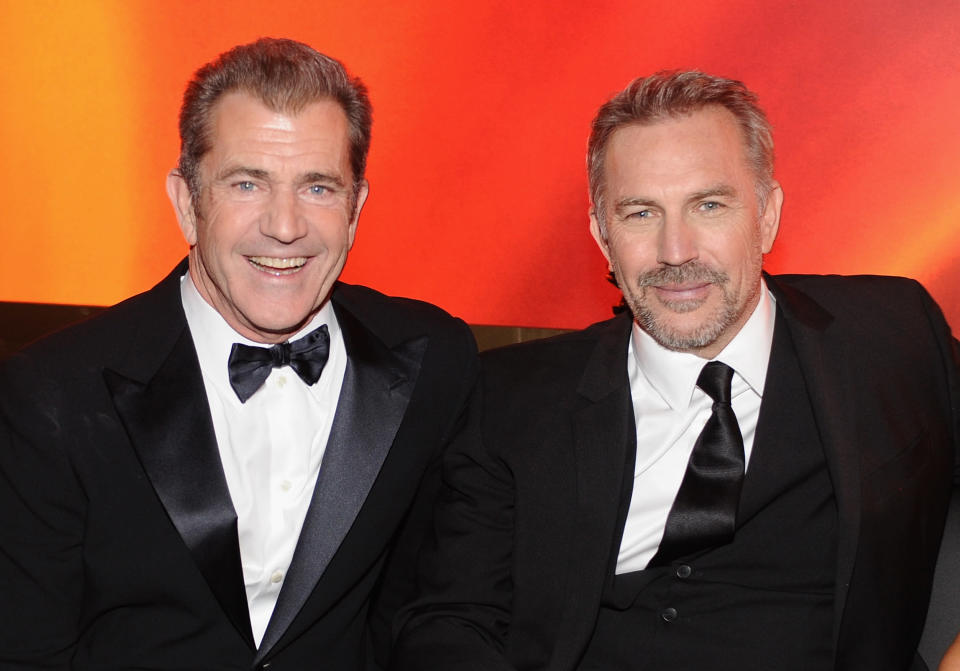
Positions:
{"x": 943, "y": 618}
{"x": 22, "y": 323}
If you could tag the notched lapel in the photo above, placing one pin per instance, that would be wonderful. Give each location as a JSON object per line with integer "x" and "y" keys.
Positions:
{"x": 376, "y": 390}
{"x": 831, "y": 385}
{"x": 603, "y": 434}
{"x": 169, "y": 425}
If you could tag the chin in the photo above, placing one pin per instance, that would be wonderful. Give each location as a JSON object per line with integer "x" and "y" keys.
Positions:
{"x": 288, "y": 326}
{"x": 273, "y": 324}
{"x": 680, "y": 331}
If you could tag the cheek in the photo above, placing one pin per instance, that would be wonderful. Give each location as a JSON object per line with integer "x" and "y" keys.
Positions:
{"x": 224, "y": 225}
{"x": 334, "y": 230}
{"x": 743, "y": 263}
{"x": 632, "y": 255}
{"x": 734, "y": 249}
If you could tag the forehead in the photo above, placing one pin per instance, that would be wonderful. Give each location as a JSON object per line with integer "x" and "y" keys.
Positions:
{"x": 707, "y": 141}
{"x": 241, "y": 125}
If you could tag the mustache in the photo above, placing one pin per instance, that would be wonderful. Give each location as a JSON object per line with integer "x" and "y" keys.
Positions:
{"x": 691, "y": 271}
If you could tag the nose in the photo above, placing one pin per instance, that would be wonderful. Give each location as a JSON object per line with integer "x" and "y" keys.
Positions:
{"x": 676, "y": 242}
{"x": 284, "y": 219}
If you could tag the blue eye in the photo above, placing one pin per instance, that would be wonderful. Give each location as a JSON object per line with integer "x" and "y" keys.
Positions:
{"x": 318, "y": 189}
{"x": 245, "y": 186}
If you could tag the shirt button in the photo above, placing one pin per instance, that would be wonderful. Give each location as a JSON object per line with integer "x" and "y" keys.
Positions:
{"x": 286, "y": 485}
{"x": 668, "y": 614}
{"x": 277, "y": 576}
{"x": 684, "y": 571}
{"x": 281, "y": 380}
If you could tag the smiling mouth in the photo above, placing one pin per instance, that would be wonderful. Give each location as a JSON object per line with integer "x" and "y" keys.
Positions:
{"x": 682, "y": 288}
{"x": 682, "y": 293}
{"x": 685, "y": 297}
{"x": 277, "y": 266}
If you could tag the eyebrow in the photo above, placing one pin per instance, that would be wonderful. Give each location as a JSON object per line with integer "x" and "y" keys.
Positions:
{"x": 719, "y": 190}
{"x": 724, "y": 190}
{"x": 322, "y": 177}
{"x": 243, "y": 171}
{"x": 259, "y": 173}
{"x": 624, "y": 203}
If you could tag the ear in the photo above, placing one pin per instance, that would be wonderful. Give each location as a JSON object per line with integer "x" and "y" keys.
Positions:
{"x": 362, "y": 194}
{"x": 770, "y": 218}
{"x": 598, "y": 234}
{"x": 179, "y": 194}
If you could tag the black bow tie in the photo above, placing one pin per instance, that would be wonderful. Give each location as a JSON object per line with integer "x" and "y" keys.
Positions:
{"x": 250, "y": 366}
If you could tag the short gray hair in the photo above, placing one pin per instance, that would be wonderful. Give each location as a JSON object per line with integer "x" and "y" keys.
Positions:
{"x": 669, "y": 94}
{"x": 284, "y": 75}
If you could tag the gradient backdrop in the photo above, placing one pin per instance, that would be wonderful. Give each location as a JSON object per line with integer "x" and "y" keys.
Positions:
{"x": 478, "y": 195}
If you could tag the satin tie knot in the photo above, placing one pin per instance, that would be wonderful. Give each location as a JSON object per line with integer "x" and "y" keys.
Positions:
{"x": 250, "y": 366}
{"x": 715, "y": 380}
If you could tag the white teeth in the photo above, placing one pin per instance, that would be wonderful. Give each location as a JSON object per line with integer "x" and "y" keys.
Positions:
{"x": 279, "y": 264}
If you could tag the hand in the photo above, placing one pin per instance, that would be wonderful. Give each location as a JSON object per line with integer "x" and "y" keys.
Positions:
{"x": 951, "y": 660}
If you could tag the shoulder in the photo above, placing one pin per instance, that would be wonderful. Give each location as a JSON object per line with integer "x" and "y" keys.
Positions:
{"x": 870, "y": 318}
{"x": 865, "y": 301}
{"x": 55, "y": 386}
{"x": 370, "y": 303}
{"x": 574, "y": 343}
{"x": 395, "y": 319}
{"x": 530, "y": 391}
{"x": 106, "y": 337}
{"x": 557, "y": 362}
{"x": 852, "y": 288}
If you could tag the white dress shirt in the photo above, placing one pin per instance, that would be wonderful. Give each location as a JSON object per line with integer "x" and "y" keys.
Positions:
{"x": 670, "y": 411}
{"x": 270, "y": 447}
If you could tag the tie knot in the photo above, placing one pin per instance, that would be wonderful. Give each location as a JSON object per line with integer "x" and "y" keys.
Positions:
{"x": 280, "y": 355}
{"x": 715, "y": 379}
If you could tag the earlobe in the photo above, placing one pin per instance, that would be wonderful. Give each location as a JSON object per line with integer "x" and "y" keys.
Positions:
{"x": 770, "y": 220}
{"x": 182, "y": 201}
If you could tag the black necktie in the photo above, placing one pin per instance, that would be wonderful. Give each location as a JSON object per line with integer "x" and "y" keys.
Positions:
{"x": 704, "y": 514}
{"x": 250, "y": 366}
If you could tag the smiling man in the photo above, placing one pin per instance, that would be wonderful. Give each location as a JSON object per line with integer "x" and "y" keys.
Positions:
{"x": 738, "y": 472}
{"x": 233, "y": 470}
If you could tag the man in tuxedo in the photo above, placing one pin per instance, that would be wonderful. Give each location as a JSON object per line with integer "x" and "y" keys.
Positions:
{"x": 739, "y": 472}
{"x": 233, "y": 470}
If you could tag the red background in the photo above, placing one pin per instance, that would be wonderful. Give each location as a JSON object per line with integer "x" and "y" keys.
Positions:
{"x": 481, "y": 113}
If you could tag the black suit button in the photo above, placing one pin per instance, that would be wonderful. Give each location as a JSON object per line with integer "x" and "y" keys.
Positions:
{"x": 669, "y": 614}
{"x": 684, "y": 571}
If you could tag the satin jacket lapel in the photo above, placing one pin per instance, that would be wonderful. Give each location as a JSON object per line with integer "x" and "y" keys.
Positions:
{"x": 376, "y": 389}
{"x": 159, "y": 396}
{"x": 832, "y": 389}
{"x": 603, "y": 430}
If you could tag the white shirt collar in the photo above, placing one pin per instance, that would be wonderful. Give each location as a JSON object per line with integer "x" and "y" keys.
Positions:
{"x": 213, "y": 337}
{"x": 674, "y": 374}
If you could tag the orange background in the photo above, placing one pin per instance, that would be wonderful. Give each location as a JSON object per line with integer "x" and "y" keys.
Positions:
{"x": 478, "y": 194}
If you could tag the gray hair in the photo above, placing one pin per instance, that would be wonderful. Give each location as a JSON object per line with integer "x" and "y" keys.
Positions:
{"x": 284, "y": 75}
{"x": 668, "y": 94}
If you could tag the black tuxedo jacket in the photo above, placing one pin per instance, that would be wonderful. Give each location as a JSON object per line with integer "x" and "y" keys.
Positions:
{"x": 527, "y": 524}
{"x": 118, "y": 540}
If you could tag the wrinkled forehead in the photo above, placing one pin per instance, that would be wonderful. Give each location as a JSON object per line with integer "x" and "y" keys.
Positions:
{"x": 705, "y": 141}
{"x": 243, "y": 99}
{"x": 704, "y": 129}
{"x": 241, "y": 122}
